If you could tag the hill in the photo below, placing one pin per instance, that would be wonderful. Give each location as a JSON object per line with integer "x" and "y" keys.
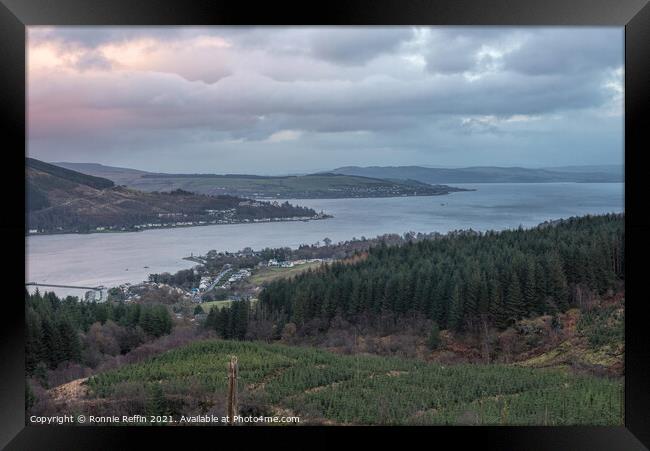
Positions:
{"x": 311, "y": 186}
{"x": 121, "y": 176}
{"x": 325, "y": 388}
{"x": 583, "y": 174}
{"x": 62, "y": 200}
{"x": 69, "y": 175}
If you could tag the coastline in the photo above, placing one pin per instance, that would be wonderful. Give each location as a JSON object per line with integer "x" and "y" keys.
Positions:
{"x": 142, "y": 229}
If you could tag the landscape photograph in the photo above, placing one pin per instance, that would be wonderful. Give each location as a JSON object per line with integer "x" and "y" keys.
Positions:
{"x": 324, "y": 226}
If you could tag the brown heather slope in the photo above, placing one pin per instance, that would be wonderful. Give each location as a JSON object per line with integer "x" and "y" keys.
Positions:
{"x": 588, "y": 340}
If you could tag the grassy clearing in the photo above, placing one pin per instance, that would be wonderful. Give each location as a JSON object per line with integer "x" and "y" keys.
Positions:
{"x": 207, "y": 306}
{"x": 323, "y": 387}
{"x": 266, "y": 275}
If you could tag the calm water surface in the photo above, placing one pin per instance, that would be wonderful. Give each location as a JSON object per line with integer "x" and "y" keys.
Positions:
{"x": 113, "y": 258}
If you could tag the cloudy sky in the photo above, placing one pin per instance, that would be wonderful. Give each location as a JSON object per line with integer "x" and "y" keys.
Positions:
{"x": 276, "y": 100}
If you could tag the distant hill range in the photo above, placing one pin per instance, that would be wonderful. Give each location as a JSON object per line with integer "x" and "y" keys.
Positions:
{"x": 311, "y": 186}
{"x": 61, "y": 200}
{"x": 489, "y": 174}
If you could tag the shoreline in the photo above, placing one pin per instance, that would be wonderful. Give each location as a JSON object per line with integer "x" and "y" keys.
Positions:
{"x": 144, "y": 229}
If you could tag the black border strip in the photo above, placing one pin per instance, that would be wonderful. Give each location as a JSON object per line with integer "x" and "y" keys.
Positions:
{"x": 16, "y": 14}
{"x": 349, "y": 12}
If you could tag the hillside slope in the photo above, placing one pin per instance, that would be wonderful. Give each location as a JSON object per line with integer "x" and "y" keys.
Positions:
{"x": 593, "y": 174}
{"x": 121, "y": 176}
{"x": 325, "y": 185}
{"x": 61, "y": 200}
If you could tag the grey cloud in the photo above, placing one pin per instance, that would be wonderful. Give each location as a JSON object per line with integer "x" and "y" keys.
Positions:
{"x": 236, "y": 103}
{"x": 340, "y": 45}
{"x": 536, "y": 51}
{"x": 329, "y": 84}
{"x": 94, "y": 36}
{"x": 356, "y": 46}
{"x": 565, "y": 51}
{"x": 455, "y": 49}
{"x": 93, "y": 60}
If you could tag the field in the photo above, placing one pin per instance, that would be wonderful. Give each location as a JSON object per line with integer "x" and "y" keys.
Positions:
{"x": 207, "y": 306}
{"x": 325, "y": 388}
{"x": 266, "y": 275}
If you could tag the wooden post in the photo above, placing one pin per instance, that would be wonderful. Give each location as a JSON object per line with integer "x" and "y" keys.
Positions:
{"x": 232, "y": 390}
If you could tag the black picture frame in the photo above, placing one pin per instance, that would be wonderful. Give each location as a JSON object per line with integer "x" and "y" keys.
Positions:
{"x": 634, "y": 15}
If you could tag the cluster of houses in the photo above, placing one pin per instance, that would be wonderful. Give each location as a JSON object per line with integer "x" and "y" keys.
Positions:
{"x": 131, "y": 291}
{"x": 239, "y": 275}
{"x": 250, "y": 203}
{"x": 280, "y": 264}
{"x": 291, "y": 263}
{"x": 204, "y": 283}
{"x": 226, "y": 212}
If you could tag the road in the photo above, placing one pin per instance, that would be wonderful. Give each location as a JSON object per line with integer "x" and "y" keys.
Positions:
{"x": 226, "y": 270}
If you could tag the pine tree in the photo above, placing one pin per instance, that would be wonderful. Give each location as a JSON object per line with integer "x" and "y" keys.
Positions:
{"x": 514, "y": 305}
{"x": 455, "y": 320}
{"x": 472, "y": 294}
{"x": 34, "y": 347}
{"x": 51, "y": 343}
{"x": 211, "y": 320}
{"x": 557, "y": 285}
{"x": 241, "y": 319}
{"x": 70, "y": 344}
{"x": 529, "y": 290}
{"x": 156, "y": 402}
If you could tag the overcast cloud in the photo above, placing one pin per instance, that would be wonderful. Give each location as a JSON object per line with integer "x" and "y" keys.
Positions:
{"x": 286, "y": 100}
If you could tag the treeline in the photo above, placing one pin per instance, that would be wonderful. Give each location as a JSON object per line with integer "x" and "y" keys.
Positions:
{"x": 66, "y": 330}
{"x": 269, "y": 210}
{"x": 463, "y": 279}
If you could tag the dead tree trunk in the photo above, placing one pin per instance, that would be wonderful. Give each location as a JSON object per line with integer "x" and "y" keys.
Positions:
{"x": 232, "y": 390}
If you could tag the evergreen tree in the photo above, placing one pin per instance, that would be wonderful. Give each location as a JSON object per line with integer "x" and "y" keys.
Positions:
{"x": 514, "y": 305}
{"x": 557, "y": 285}
{"x": 529, "y": 290}
{"x": 455, "y": 320}
{"x": 156, "y": 402}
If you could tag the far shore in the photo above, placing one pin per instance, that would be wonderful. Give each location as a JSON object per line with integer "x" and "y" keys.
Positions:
{"x": 144, "y": 229}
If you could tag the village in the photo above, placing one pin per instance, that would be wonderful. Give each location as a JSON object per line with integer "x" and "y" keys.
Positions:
{"x": 172, "y": 220}
{"x": 231, "y": 283}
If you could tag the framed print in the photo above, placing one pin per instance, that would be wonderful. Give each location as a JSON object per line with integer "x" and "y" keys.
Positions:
{"x": 378, "y": 217}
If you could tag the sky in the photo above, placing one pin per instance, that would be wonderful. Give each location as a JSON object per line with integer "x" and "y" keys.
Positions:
{"x": 282, "y": 100}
